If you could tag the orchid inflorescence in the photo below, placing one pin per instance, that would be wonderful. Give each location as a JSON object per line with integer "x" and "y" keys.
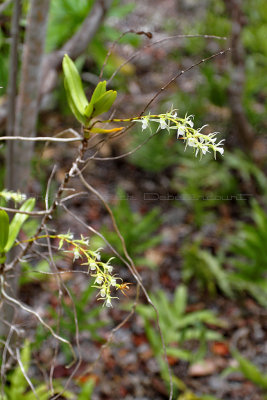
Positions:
{"x": 101, "y": 271}
{"x": 17, "y": 197}
{"x": 185, "y": 130}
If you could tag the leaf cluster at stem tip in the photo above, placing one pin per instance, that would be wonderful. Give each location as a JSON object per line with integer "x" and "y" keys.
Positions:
{"x": 101, "y": 100}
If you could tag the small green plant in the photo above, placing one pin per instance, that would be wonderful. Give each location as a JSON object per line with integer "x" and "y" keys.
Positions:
{"x": 202, "y": 195}
{"x": 248, "y": 260}
{"x": 206, "y": 269}
{"x": 246, "y": 171}
{"x": 250, "y": 245}
{"x": 249, "y": 256}
{"x": 178, "y": 327}
{"x": 236, "y": 174}
{"x": 250, "y": 371}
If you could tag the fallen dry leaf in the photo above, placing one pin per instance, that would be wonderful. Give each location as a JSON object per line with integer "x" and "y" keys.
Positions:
{"x": 206, "y": 367}
{"x": 220, "y": 348}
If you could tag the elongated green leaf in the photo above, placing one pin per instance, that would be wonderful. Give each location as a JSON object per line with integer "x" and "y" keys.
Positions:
{"x": 217, "y": 271}
{"x": 180, "y": 300}
{"x": 250, "y": 371}
{"x": 88, "y": 110}
{"x": 104, "y": 103}
{"x": 81, "y": 118}
{"x": 17, "y": 223}
{"x": 98, "y": 92}
{"x": 179, "y": 353}
{"x": 87, "y": 390}
{"x": 4, "y": 229}
{"x": 73, "y": 84}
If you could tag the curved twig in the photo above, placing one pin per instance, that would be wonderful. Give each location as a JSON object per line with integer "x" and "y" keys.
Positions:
{"x": 160, "y": 41}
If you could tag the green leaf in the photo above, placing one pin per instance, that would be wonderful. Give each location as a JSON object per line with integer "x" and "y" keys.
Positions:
{"x": 179, "y": 353}
{"x": 217, "y": 271}
{"x": 121, "y": 11}
{"x": 88, "y": 110}
{"x": 180, "y": 300}
{"x": 104, "y": 103}
{"x": 73, "y": 86}
{"x": 250, "y": 371}
{"x": 87, "y": 390}
{"x": 4, "y": 229}
{"x": 81, "y": 118}
{"x": 99, "y": 91}
{"x": 17, "y": 222}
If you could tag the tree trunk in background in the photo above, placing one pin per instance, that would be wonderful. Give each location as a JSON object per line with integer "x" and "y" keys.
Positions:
{"x": 22, "y": 116}
{"x": 7, "y": 310}
{"x": 27, "y": 105}
{"x": 11, "y": 93}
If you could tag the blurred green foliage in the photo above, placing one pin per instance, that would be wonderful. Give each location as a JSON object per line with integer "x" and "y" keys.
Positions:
{"x": 205, "y": 269}
{"x": 249, "y": 256}
{"x": 158, "y": 153}
{"x": 248, "y": 261}
{"x": 4, "y": 62}
{"x": 178, "y": 327}
{"x": 251, "y": 372}
{"x": 215, "y": 21}
{"x": 255, "y": 93}
{"x": 213, "y": 183}
{"x": 138, "y": 231}
{"x": 65, "y": 18}
{"x": 250, "y": 244}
